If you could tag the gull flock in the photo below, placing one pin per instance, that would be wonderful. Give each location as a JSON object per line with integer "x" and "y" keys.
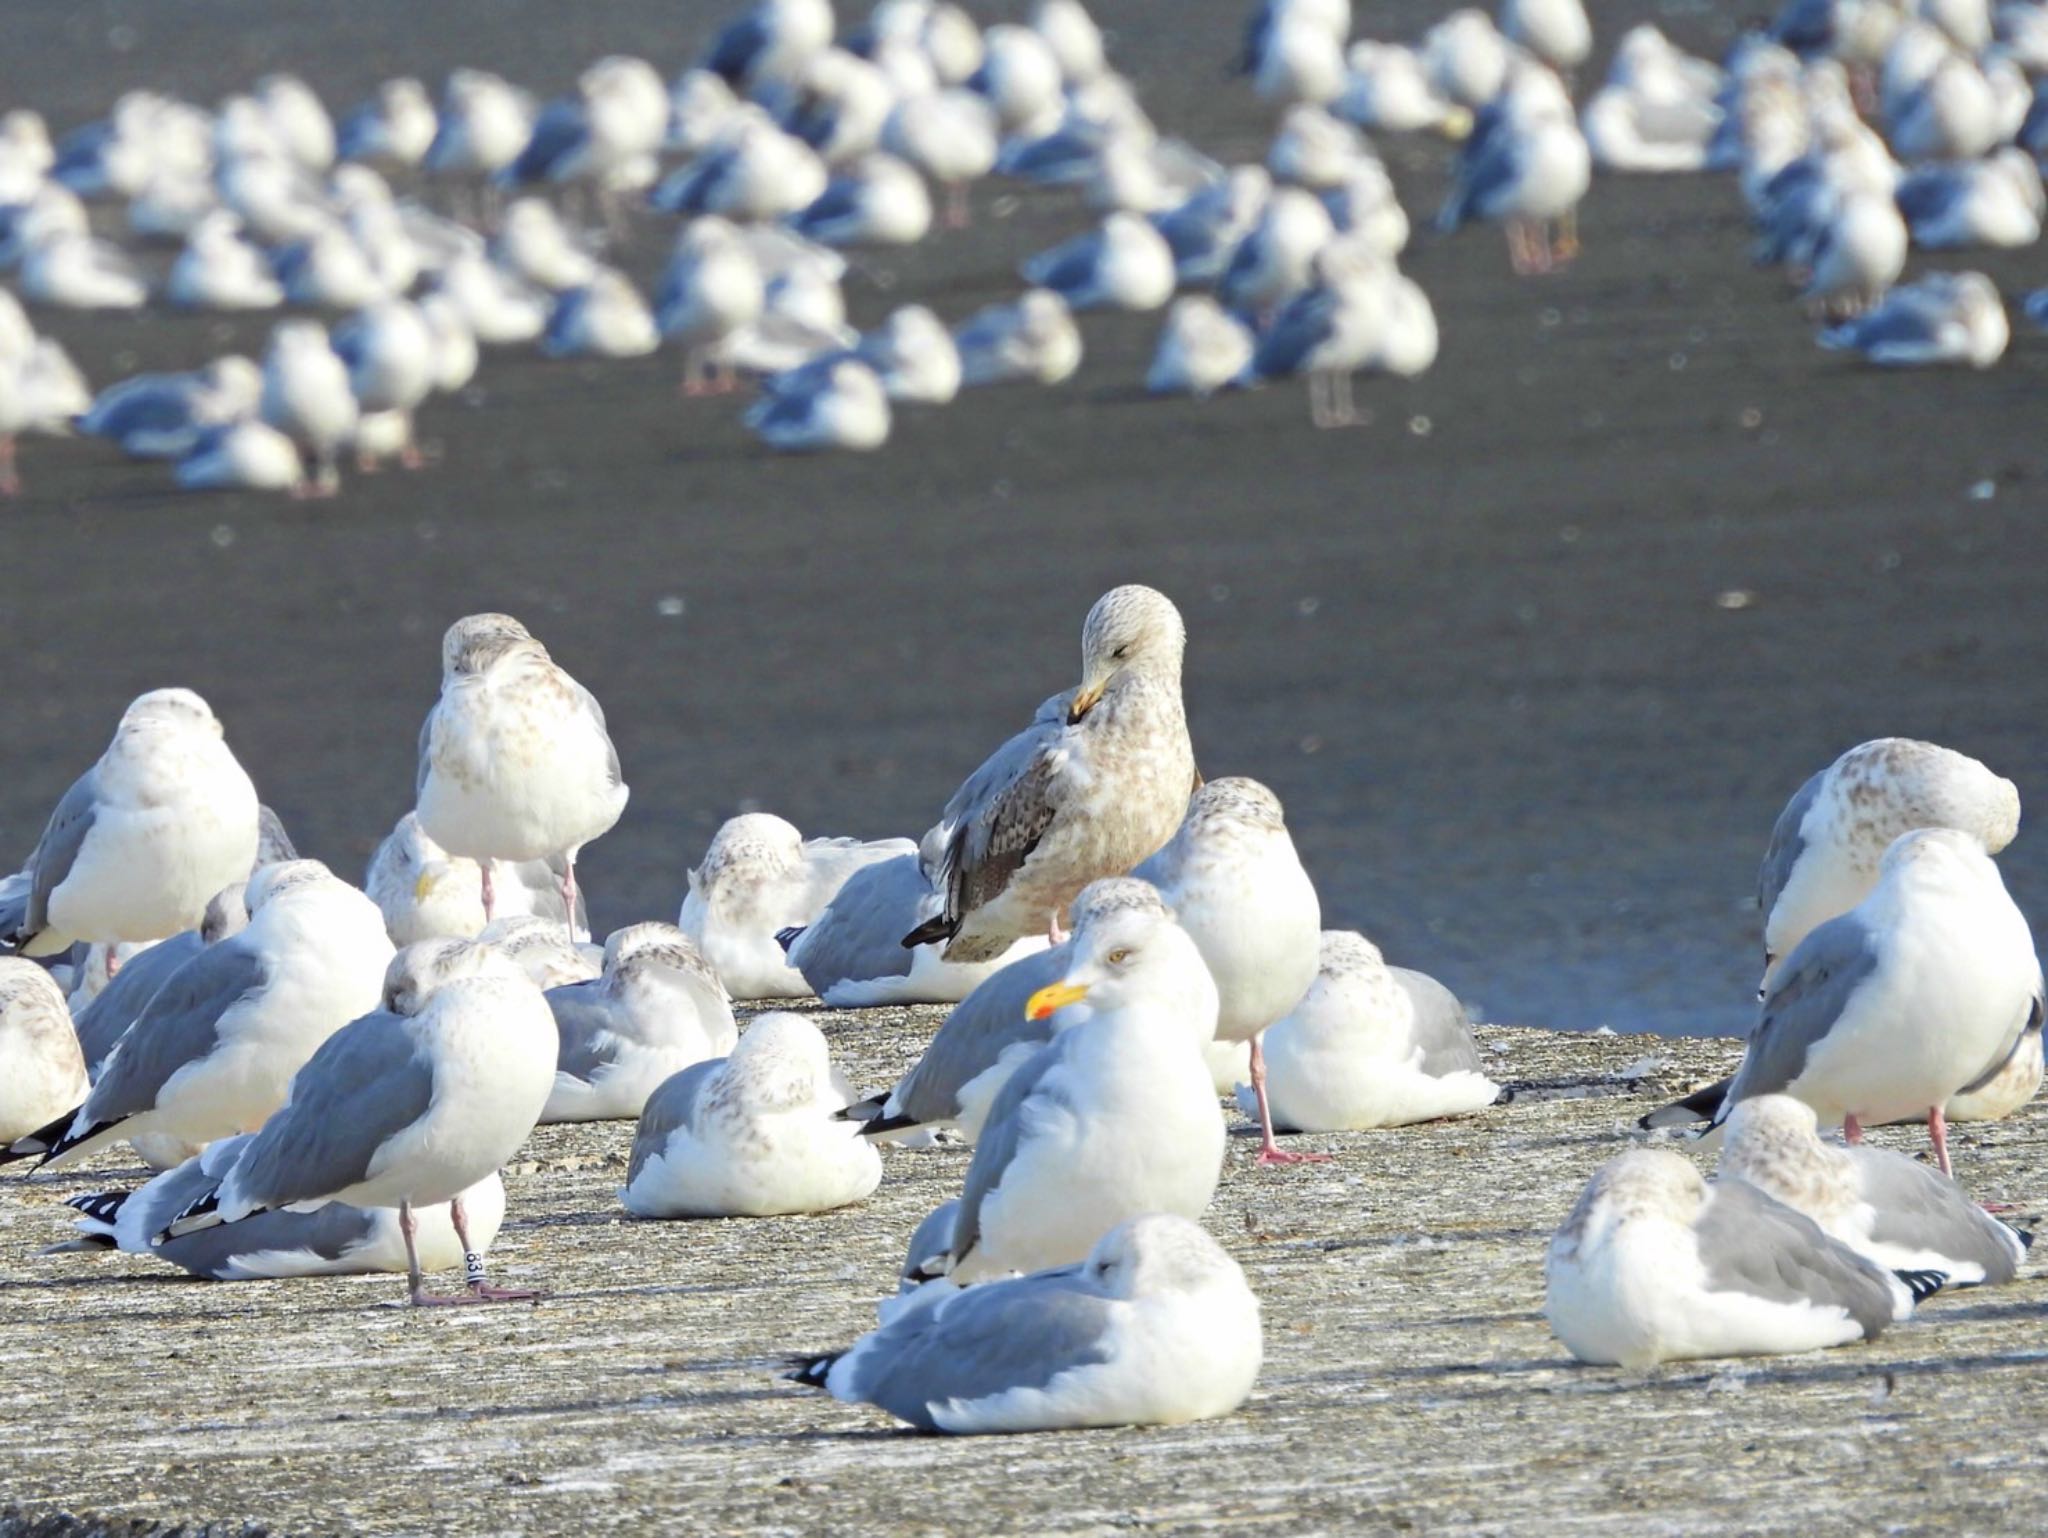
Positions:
{"x": 330, "y": 1078}
{"x": 435, "y": 229}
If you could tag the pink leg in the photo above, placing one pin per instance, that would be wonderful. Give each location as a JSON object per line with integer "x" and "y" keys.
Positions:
{"x": 480, "y": 1290}
{"x": 1054, "y": 934}
{"x": 958, "y": 213}
{"x": 10, "y": 481}
{"x": 113, "y": 963}
{"x": 569, "y": 894}
{"x": 1852, "y": 1129}
{"x": 1937, "y": 1128}
{"x": 485, "y": 867}
{"x": 1271, "y": 1152}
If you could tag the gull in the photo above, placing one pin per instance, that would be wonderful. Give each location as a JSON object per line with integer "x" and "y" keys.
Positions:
{"x": 1073, "y": 36}
{"x": 1360, "y": 314}
{"x": 45, "y": 1068}
{"x": 515, "y": 762}
{"x": 1123, "y": 264}
{"x": 330, "y": 268}
{"x": 1467, "y": 58}
{"x": 1276, "y": 259}
{"x": 212, "y": 1053}
{"x": 334, "y": 1240}
{"x": 1885, "y": 1206}
{"x": 758, "y": 173}
{"x": 1294, "y": 49}
{"x": 1205, "y": 228}
{"x": 751, "y": 1134}
{"x": 989, "y": 1036}
{"x": 758, "y": 877}
{"x": 1156, "y": 1326}
{"x": 1234, "y": 881}
{"x": 391, "y": 356}
{"x": 1031, "y": 339}
{"x": 1061, "y": 805}
{"x": 1202, "y": 348}
{"x": 839, "y": 106}
{"x": 499, "y": 307}
{"x": 1316, "y": 151}
{"x": 51, "y": 214}
{"x": 297, "y": 119}
{"x": 455, "y": 349}
{"x": 877, "y": 200}
{"x": 220, "y": 270}
{"x": 1366, "y": 212}
{"x": 1555, "y": 31}
{"x": 1140, "y": 172}
{"x": 951, "y": 136}
{"x": 912, "y": 353}
{"x": 542, "y": 948}
{"x": 395, "y": 127}
{"x": 1997, "y": 201}
{"x": 306, "y": 396}
{"x": 1858, "y": 254}
{"x": 835, "y": 403}
{"x": 1115, "y": 1117}
{"x": 1655, "y": 1265}
{"x": 1888, "y": 1010}
{"x": 82, "y": 272}
{"x": 712, "y": 289}
{"x": 702, "y": 108}
{"x": 606, "y": 318}
{"x": 533, "y": 242}
{"x": 1020, "y": 78}
{"x": 1526, "y": 165}
{"x": 426, "y": 893}
{"x": 1387, "y": 87}
{"x": 484, "y": 124}
{"x": 145, "y": 837}
{"x": 1370, "y": 1045}
{"x": 658, "y": 1009}
{"x": 1943, "y": 319}
{"x": 1950, "y": 115}
{"x": 103, "y": 1020}
{"x": 607, "y": 134}
{"x": 247, "y": 454}
{"x": 771, "y": 42}
{"x": 406, "y": 1111}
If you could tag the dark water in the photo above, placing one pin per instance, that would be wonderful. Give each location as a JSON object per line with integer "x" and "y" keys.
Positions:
{"x": 1479, "y": 647}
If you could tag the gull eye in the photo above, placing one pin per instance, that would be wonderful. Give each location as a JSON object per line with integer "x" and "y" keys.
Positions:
{"x": 1119, "y": 956}
{"x": 1120, "y": 653}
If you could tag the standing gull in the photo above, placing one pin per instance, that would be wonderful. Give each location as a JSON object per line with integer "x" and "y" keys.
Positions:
{"x": 1233, "y": 879}
{"x": 515, "y": 762}
{"x": 1155, "y": 1327}
{"x": 1055, "y": 809}
{"x": 146, "y": 836}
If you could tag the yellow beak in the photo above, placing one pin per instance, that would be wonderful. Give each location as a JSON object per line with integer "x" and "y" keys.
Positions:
{"x": 1058, "y": 996}
{"x": 421, "y": 887}
{"x": 1084, "y": 702}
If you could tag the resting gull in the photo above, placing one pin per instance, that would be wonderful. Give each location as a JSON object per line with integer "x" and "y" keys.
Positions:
{"x": 990, "y": 1035}
{"x": 542, "y": 948}
{"x": 1202, "y": 349}
{"x": 1062, "y": 804}
{"x": 145, "y": 837}
{"x": 392, "y": 358}
{"x": 104, "y": 1019}
{"x": 220, "y": 269}
{"x": 1888, "y": 1010}
{"x": 1370, "y": 1045}
{"x": 1205, "y": 229}
{"x": 1155, "y": 1327}
{"x": 837, "y": 403}
{"x": 1883, "y": 1205}
{"x": 45, "y": 1069}
{"x": 759, "y": 877}
{"x": 713, "y": 288}
{"x": 162, "y": 416}
{"x": 657, "y": 1009}
{"x": 1946, "y": 318}
{"x": 395, "y": 127}
{"x": 515, "y": 762}
{"x": 1030, "y": 339}
{"x": 426, "y": 893}
{"x": 214, "y": 1051}
{"x": 247, "y": 454}
{"x": 912, "y": 353}
{"x": 605, "y": 318}
{"x": 1115, "y": 1117}
{"x": 751, "y": 1134}
{"x": 1655, "y": 1265}
{"x": 878, "y": 200}
{"x": 1526, "y": 165}
{"x": 306, "y": 396}
{"x": 1232, "y": 877}
{"x": 950, "y": 135}
{"x": 1122, "y": 264}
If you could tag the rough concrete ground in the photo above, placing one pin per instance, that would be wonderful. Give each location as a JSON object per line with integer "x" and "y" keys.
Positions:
{"x": 1410, "y": 1382}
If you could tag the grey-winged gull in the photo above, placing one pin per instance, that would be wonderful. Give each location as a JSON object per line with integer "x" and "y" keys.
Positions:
{"x": 1880, "y": 1203}
{"x": 1202, "y": 348}
{"x": 1370, "y": 1045}
{"x": 1232, "y": 878}
{"x": 878, "y": 200}
{"x": 1946, "y": 319}
{"x": 306, "y": 396}
{"x": 515, "y": 762}
{"x": 146, "y": 836}
{"x": 542, "y": 949}
{"x": 1055, "y": 809}
{"x": 1655, "y": 1265}
{"x": 162, "y": 416}
{"x": 604, "y": 318}
{"x": 1030, "y": 339}
{"x": 912, "y": 353}
{"x": 104, "y": 1019}
{"x": 1156, "y": 1326}
{"x": 1115, "y": 1117}
{"x": 45, "y": 1069}
{"x": 751, "y": 1134}
{"x": 1526, "y": 165}
{"x": 404, "y": 1111}
{"x": 836, "y": 403}
{"x": 1888, "y": 1010}
{"x": 990, "y": 1035}
{"x": 758, "y": 877}
{"x": 1996, "y": 201}
{"x": 426, "y": 893}
{"x": 396, "y": 126}
{"x": 215, "y": 1050}
{"x": 1122, "y": 264}
{"x": 658, "y": 1009}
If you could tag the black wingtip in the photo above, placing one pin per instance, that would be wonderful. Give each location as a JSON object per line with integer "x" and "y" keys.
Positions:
{"x": 45, "y": 1143}
{"x": 882, "y": 1126}
{"x": 861, "y": 1110}
{"x": 195, "y": 1216}
{"x": 100, "y": 1206}
{"x": 811, "y": 1370}
{"x": 1922, "y": 1284}
{"x": 787, "y": 937}
{"x": 2026, "y": 1237}
{"x": 931, "y": 932}
{"x": 68, "y": 1135}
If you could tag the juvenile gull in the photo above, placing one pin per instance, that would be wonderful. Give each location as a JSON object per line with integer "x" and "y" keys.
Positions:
{"x": 45, "y": 1069}
{"x": 405, "y": 1111}
{"x": 214, "y": 1051}
{"x": 515, "y": 762}
{"x": 990, "y": 1035}
{"x": 426, "y": 893}
{"x": 1882, "y": 1204}
{"x": 1055, "y": 809}
{"x": 1232, "y": 878}
{"x": 335, "y": 1240}
{"x": 658, "y": 1009}
{"x": 1655, "y": 1265}
{"x": 144, "y": 837}
{"x": 751, "y": 1134}
{"x": 1370, "y": 1045}
{"x": 1155, "y": 1327}
{"x": 1115, "y": 1117}
{"x": 1888, "y": 1010}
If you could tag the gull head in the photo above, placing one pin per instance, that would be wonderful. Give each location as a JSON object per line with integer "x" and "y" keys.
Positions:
{"x": 654, "y": 949}
{"x": 270, "y": 882}
{"x": 1938, "y": 854}
{"x": 1158, "y": 1252}
{"x": 1132, "y": 955}
{"x": 1130, "y": 629}
{"x": 473, "y": 644}
{"x": 179, "y": 709}
{"x": 419, "y": 971}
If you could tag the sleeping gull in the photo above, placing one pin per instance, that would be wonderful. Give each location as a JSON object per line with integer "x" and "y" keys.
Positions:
{"x": 840, "y": 105}
{"x": 484, "y": 123}
{"x": 1063, "y": 804}
{"x": 912, "y": 353}
{"x": 1317, "y": 151}
{"x": 246, "y": 454}
{"x": 214, "y": 1051}
{"x": 220, "y": 270}
{"x": 605, "y": 318}
{"x": 1386, "y": 87}
{"x": 758, "y": 877}
{"x": 45, "y": 1069}
{"x": 1655, "y": 1265}
{"x": 1202, "y": 348}
{"x": 1370, "y": 1045}
{"x": 990, "y": 1035}
{"x": 1858, "y": 254}
{"x": 394, "y": 127}
{"x": 1020, "y": 77}
{"x": 1232, "y": 878}
{"x": 1467, "y": 58}
{"x": 1276, "y": 258}
{"x": 499, "y": 307}
{"x": 771, "y": 42}
{"x": 306, "y": 396}
{"x": 759, "y": 172}
{"x": 162, "y": 416}
{"x": 1115, "y": 1117}
{"x": 1890, "y": 1208}
{"x": 1891, "y": 1008}
{"x": 1204, "y": 229}
{"x": 877, "y": 200}
{"x": 533, "y": 242}
{"x": 404, "y": 1111}
{"x": 1123, "y": 264}
{"x": 1330, "y": 330}
{"x": 1294, "y": 49}
{"x": 1555, "y": 31}
{"x": 143, "y": 839}
{"x": 852, "y": 955}
{"x": 1526, "y": 165}
{"x": 1997, "y": 201}
{"x": 334, "y": 1240}
{"x": 542, "y": 948}
{"x": 657, "y": 1009}
{"x": 1031, "y": 339}
{"x": 426, "y": 893}
{"x": 1156, "y": 1326}
{"x": 1946, "y": 318}
{"x": 751, "y": 1134}
{"x": 82, "y": 272}
{"x": 835, "y": 403}
{"x": 515, "y": 762}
